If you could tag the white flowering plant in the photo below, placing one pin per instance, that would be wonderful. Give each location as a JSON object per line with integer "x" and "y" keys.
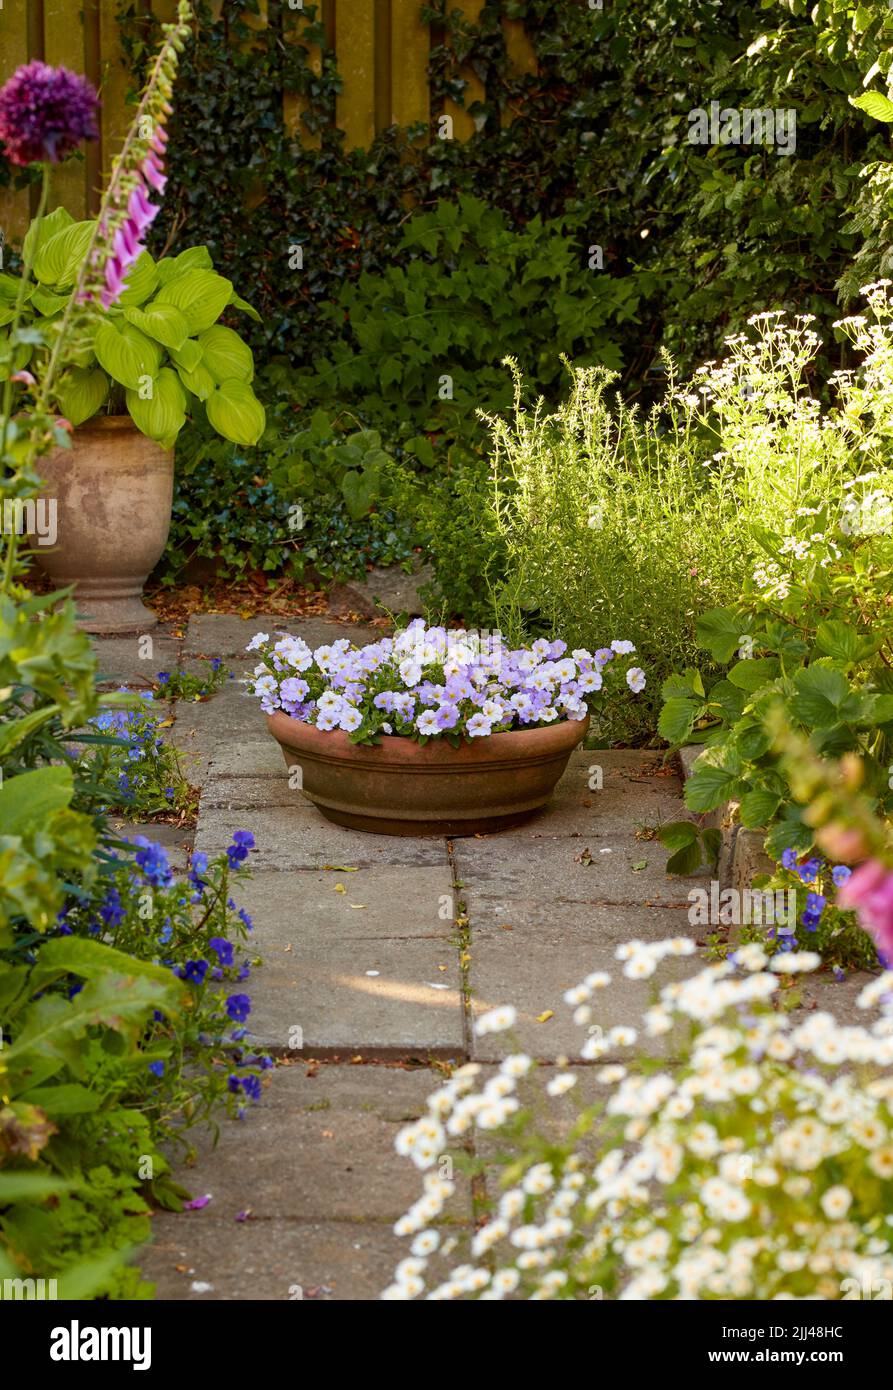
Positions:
{"x": 814, "y": 627}
{"x": 431, "y": 682}
{"x": 754, "y": 1161}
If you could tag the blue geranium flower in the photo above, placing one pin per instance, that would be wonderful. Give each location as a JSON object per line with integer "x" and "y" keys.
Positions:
{"x": 840, "y": 873}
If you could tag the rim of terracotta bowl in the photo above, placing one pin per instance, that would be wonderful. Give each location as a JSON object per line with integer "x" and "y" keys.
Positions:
{"x": 508, "y": 749}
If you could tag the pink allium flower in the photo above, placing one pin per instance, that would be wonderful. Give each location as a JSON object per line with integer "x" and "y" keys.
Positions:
{"x": 45, "y": 113}
{"x": 869, "y": 893}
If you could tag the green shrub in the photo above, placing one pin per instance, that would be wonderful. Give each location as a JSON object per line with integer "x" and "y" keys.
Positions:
{"x": 420, "y": 345}
{"x": 812, "y": 631}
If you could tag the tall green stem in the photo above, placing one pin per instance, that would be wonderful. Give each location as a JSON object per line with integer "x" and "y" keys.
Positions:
{"x": 30, "y": 250}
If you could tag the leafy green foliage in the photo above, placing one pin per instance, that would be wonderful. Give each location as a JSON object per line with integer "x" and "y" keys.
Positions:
{"x": 161, "y": 343}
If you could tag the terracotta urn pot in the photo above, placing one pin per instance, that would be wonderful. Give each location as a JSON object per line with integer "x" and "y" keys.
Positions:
{"x": 398, "y": 787}
{"x": 113, "y": 491}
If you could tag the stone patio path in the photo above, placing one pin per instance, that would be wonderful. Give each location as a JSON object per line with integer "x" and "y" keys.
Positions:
{"x": 377, "y": 973}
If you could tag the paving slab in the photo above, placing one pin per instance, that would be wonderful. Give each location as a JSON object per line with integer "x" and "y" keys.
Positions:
{"x": 321, "y": 1148}
{"x": 379, "y": 903}
{"x": 539, "y": 922}
{"x": 205, "y": 729}
{"x": 135, "y": 660}
{"x": 299, "y": 837}
{"x": 614, "y": 868}
{"x": 534, "y": 981}
{"x": 242, "y": 793}
{"x": 261, "y": 757}
{"x": 224, "y": 634}
{"x": 269, "y": 1260}
{"x": 369, "y": 997}
{"x": 601, "y": 787}
{"x": 372, "y": 969}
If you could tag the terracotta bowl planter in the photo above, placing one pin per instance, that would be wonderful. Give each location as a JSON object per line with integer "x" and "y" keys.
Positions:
{"x": 399, "y": 787}
{"x": 113, "y": 490}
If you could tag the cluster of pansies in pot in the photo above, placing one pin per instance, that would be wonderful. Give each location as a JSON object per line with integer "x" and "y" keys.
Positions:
{"x": 428, "y": 682}
{"x": 758, "y": 1166}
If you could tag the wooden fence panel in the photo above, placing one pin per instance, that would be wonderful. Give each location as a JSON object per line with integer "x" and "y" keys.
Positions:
{"x": 14, "y": 209}
{"x": 381, "y": 47}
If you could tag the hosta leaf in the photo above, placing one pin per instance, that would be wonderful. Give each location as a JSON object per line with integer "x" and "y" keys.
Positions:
{"x": 238, "y": 303}
{"x": 199, "y": 381}
{"x": 31, "y": 797}
{"x": 74, "y": 955}
{"x": 196, "y": 258}
{"x": 188, "y": 356}
{"x": 59, "y": 259}
{"x": 236, "y": 413}
{"x": 200, "y": 295}
{"x": 126, "y": 354}
{"x": 46, "y": 303}
{"x": 163, "y": 322}
{"x": 39, "y": 233}
{"x": 142, "y": 280}
{"x": 225, "y": 355}
{"x": 161, "y": 414}
{"x": 81, "y": 393}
